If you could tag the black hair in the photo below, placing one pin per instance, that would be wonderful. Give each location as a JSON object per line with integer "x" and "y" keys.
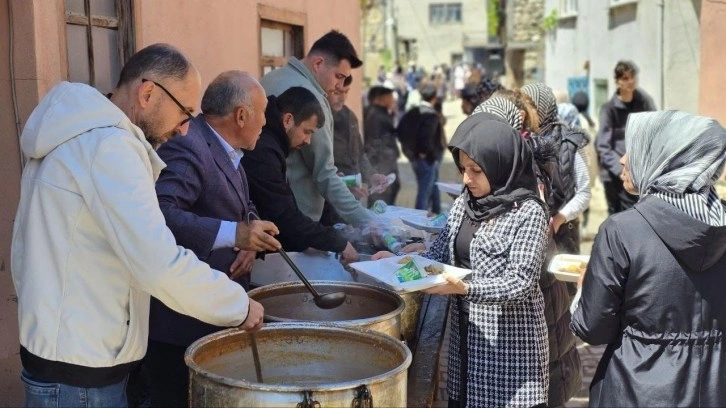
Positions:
{"x": 427, "y": 91}
{"x": 486, "y": 88}
{"x": 581, "y": 102}
{"x": 301, "y": 103}
{"x": 157, "y": 60}
{"x": 469, "y": 93}
{"x": 336, "y": 45}
{"x": 623, "y": 66}
{"x": 378, "y": 91}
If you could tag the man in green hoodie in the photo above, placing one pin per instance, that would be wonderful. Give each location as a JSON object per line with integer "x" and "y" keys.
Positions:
{"x": 311, "y": 172}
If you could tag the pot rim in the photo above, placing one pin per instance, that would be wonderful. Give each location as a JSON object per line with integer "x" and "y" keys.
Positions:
{"x": 337, "y": 386}
{"x": 354, "y": 322}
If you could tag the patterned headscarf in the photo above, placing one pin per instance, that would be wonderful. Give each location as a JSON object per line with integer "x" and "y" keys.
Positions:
{"x": 503, "y": 108}
{"x": 546, "y": 104}
{"x": 569, "y": 114}
{"x": 678, "y": 157}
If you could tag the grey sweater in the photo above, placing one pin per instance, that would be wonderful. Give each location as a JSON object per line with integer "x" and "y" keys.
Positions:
{"x": 311, "y": 171}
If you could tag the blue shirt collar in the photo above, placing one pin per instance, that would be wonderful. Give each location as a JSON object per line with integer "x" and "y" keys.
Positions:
{"x": 234, "y": 154}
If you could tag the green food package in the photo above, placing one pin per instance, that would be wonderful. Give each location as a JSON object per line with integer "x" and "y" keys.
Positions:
{"x": 408, "y": 272}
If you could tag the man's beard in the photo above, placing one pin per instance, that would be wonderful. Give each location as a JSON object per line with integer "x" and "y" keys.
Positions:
{"x": 154, "y": 137}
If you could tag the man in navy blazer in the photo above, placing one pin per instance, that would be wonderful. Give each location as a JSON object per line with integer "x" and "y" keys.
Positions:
{"x": 204, "y": 196}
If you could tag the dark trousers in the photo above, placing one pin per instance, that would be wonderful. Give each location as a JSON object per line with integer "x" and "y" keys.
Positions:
{"x": 464, "y": 355}
{"x": 166, "y": 375}
{"x": 617, "y": 198}
{"x": 427, "y": 174}
{"x": 567, "y": 240}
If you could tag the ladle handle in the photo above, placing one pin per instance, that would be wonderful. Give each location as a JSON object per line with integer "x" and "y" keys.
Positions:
{"x": 256, "y": 357}
{"x": 298, "y": 273}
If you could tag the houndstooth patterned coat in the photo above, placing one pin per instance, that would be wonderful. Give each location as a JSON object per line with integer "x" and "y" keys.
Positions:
{"x": 507, "y": 335}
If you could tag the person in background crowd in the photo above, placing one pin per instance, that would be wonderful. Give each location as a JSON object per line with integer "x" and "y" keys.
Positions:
{"x": 381, "y": 75}
{"x": 653, "y": 289}
{"x": 423, "y": 141}
{"x": 568, "y": 113}
{"x": 380, "y": 141}
{"x": 312, "y": 176}
{"x": 203, "y": 195}
{"x": 581, "y": 101}
{"x": 84, "y": 279}
{"x": 469, "y": 99}
{"x": 292, "y": 118}
{"x": 498, "y": 229}
{"x": 610, "y": 143}
{"x": 565, "y": 377}
{"x": 349, "y": 154}
{"x": 570, "y": 178}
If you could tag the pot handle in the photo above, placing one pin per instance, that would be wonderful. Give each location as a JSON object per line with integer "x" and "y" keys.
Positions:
{"x": 364, "y": 399}
{"x": 308, "y": 401}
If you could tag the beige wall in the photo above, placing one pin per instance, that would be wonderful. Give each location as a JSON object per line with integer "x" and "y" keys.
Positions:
{"x": 37, "y": 56}
{"x": 217, "y": 35}
{"x": 713, "y": 60}
{"x": 221, "y": 35}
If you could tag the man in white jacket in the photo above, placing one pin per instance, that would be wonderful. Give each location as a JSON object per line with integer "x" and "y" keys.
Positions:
{"x": 90, "y": 243}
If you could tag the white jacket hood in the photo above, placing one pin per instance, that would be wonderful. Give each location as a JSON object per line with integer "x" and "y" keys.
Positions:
{"x": 69, "y": 110}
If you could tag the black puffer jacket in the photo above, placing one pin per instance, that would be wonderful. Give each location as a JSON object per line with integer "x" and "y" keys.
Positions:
{"x": 654, "y": 293}
{"x": 565, "y": 375}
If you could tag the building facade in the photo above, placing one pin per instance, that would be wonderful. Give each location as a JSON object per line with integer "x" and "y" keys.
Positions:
{"x": 435, "y": 32}
{"x": 662, "y": 37}
{"x": 49, "y": 41}
{"x": 712, "y": 86}
{"x": 524, "y": 41}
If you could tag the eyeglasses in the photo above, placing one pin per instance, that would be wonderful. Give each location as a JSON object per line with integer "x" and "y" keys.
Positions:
{"x": 176, "y": 101}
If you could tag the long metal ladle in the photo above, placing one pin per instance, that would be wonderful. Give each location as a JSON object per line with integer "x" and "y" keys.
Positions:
{"x": 324, "y": 301}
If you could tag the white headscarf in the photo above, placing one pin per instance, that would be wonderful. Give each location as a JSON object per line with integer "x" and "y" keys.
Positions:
{"x": 678, "y": 157}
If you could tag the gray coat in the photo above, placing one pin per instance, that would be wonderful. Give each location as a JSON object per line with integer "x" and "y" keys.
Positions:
{"x": 654, "y": 293}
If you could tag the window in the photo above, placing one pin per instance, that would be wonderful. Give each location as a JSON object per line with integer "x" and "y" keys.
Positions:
{"x": 444, "y": 13}
{"x": 568, "y": 8}
{"x": 99, "y": 39}
{"x": 278, "y": 42}
{"x": 617, "y": 3}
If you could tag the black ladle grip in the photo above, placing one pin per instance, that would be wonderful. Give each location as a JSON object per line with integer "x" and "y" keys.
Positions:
{"x": 298, "y": 273}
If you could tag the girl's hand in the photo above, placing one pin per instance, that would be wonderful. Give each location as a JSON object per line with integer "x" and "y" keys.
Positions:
{"x": 381, "y": 255}
{"x": 415, "y": 247}
{"x": 453, "y": 286}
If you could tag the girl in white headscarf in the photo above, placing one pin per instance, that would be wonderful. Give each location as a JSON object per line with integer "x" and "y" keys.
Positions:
{"x": 653, "y": 290}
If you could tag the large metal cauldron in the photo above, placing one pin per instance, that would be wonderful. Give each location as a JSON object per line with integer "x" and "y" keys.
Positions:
{"x": 366, "y": 306}
{"x": 303, "y": 365}
{"x": 409, "y": 318}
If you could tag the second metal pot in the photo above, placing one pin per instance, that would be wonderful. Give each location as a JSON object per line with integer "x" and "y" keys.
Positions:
{"x": 366, "y": 306}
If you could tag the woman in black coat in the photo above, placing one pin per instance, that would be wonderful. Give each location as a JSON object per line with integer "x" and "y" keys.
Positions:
{"x": 654, "y": 287}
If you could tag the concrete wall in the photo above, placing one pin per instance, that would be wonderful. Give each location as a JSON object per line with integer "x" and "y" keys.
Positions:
{"x": 603, "y": 35}
{"x": 436, "y": 43}
{"x": 217, "y": 35}
{"x": 713, "y": 60}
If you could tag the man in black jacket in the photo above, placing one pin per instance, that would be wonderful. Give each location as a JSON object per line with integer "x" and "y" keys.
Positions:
{"x": 292, "y": 118}
{"x": 610, "y": 140}
{"x": 421, "y": 133}
{"x": 380, "y": 140}
{"x": 350, "y": 157}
